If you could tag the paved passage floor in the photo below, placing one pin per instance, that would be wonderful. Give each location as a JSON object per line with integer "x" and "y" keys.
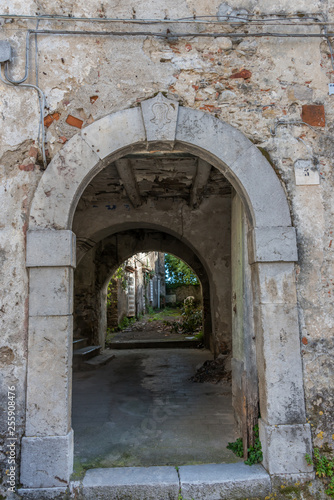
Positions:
{"x": 142, "y": 409}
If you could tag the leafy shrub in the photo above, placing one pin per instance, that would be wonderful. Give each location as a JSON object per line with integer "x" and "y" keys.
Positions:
{"x": 324, "y": 468}
{"x": 237, "y": 447}
{"x": 255, "y": 455}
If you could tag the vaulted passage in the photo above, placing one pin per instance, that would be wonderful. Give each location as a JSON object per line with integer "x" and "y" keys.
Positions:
{"x": 170, "y": 202}
{"x": 181, "y": 204}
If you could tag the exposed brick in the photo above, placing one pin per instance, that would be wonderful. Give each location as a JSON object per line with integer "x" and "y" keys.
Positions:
{"x": 304, "y": 340}
{"x": 27, "y": 168}
{"x": 211, "y": 108}
{"x": 33, "y": 152}
{"x": 74, "y": 122}
{"x": 93, "y": 98}
{"x": 313, "y": 115}
{"x": 50, "y": 118}
{"x": 62, "y": 139}
{"x": 244, "y": 73}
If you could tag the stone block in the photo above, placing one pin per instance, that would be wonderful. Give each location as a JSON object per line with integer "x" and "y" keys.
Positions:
{"x": 141, "y": 483}
{"x": 57, "y": 193}
{"x": 43, "y": 493}
{"x": 272, "y": 244}
{"x": 260, "y": 189}
{"x": 46, "y": 461}
{"x": 284, "y": 448}
{"x": 216, "y": 481}
{"x": 49, "y": 248}
{"x": 49, "y": 378}
{"x": 314, "y": 115}
{"x": 275, "y": 283}
{"x": 249, "y": 172}
{"x": 160, "y": 117}
{"x": 279, "y": 364}
{"x": 306, "y": 173}
{"x": 114, "y": 132}
{"x": 50, "y": 291}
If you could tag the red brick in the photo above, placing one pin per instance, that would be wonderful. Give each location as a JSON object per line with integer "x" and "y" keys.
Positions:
{"x": 210, "y": 107}
{"x": 62, "y": 139}
{"x": 304, "y": 340}
{"x": 244, "y": 73}
{"x": 33, "y": 152}
{"x": 314, "y": 115}
{"x": 74, "y": 122}
{"x": 27, "y": 168}
{"x": 50, "y": 118}
{"x": 93, "y": 98}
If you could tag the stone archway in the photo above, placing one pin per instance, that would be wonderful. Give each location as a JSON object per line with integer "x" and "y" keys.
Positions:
{"x": 47, "y": 448}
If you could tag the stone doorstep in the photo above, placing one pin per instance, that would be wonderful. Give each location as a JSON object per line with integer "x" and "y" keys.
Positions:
{"x": 224, "y": 481}
{"x": 155, "y": 344}
{"x": 200, "y": 482}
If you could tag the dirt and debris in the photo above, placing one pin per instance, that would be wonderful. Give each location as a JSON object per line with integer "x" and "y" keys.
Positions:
{"x": 214, "y": 371}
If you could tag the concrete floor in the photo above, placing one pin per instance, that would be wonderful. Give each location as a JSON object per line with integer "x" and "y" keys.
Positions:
{"x": 143, "y": 410}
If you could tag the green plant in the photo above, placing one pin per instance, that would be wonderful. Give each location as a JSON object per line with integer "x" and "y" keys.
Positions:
{"x": 192, "y": 316}
{"x": 199, "y": 335}
{"x": 255, "y": 455}
{"x": 178, "y": 273}
{"x": 150, "y": 310}
{"x": 237, "y": 447}
{"x": 324, "y": 468}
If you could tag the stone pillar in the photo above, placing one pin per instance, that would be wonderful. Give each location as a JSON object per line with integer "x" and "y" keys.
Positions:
{"x": 47, "y": 447}
{"x": 284, "y": 434}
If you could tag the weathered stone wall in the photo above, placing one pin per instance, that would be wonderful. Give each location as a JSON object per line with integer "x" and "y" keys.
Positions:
{"x": 184, "y": 291}
{"x": 247, "y": 82}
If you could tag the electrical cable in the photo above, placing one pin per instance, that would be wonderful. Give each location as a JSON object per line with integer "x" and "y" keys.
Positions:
{"x": 41, "y": 128}
{"x": 173, "y": 35}
{"x": 17, "y": 82}
{"x": 187, "y": 20}
{"x": 41, "y": 99}
{"x": 291, "y": 122}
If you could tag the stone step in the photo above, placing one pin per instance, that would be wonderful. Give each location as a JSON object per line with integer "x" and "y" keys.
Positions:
{"x": 79, "y": 343}
{"x": 139, "y": 483}
{"x": 200, "y": 482}
{"x": 224, "y": 481}
{"x": 98, "y": 361}
{"x": 83, "y": 354}
{"x": 154, "y": 344}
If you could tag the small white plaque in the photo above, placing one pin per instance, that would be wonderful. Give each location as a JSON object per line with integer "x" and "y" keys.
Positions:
{"x": 331, "y": 88}
{"x": 306, "y": 173}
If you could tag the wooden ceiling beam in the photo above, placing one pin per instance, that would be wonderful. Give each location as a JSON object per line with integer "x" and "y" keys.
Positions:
{"x": 127, "y": 176}
{"x": 200, "y": 180}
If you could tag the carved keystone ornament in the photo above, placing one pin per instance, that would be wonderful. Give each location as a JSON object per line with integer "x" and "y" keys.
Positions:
{"x": 160, "y": 118}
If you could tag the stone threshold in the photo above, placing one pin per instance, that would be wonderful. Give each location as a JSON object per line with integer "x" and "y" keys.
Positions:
{"x": 155, "y": 344}
{"x": 194, "y": 482}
